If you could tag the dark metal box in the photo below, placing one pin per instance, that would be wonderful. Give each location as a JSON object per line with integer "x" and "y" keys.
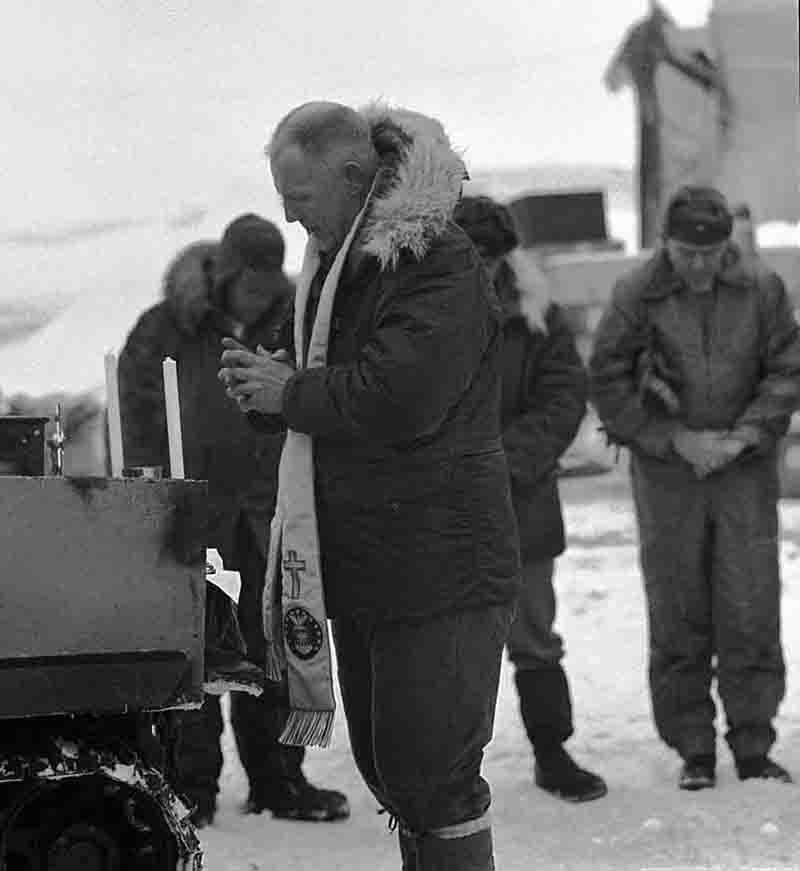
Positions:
{"x": 97, "y": 614}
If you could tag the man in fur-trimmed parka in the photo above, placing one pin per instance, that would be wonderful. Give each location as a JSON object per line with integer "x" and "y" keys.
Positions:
{"x": 236, "y": 287}
{"x": 416, "y": 527}
{"x": 696, "y": 368}
{"x": 543, "y": 403}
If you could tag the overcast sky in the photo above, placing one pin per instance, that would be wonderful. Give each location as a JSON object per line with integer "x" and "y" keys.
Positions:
{"x": 112, "y": 108}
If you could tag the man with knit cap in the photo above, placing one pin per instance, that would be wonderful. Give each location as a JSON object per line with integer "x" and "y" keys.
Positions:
{"x": 236, "y": 288}
{"x": 696, "y": 368}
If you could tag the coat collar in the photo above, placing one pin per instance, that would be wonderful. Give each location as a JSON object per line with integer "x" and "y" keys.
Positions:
{"x": 660, "y": 280}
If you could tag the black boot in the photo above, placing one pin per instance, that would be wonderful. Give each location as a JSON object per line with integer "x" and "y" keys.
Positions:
{"x": 762, "y": 768}
{"x": 431, "y": 853}
{"x": 546, "y": 709}
{"x": 297, "y": 799}
{"x": 558, "y": 773}
{"x": 274, "y": 770}
{"x": 698, "y": 772}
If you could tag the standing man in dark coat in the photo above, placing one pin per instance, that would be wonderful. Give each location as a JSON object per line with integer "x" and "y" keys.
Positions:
{"x": 235, "y": 289}
{"x": 543, "y": 403}
{"x": 696, "y": 368}
{"x": 416, "y": 527}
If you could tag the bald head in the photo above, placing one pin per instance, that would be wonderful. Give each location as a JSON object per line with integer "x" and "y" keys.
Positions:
{"x": 326, "y": 131}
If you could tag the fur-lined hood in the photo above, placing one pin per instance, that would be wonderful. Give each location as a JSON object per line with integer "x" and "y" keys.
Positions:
{"x": 187, "y": 285}
{"x": 417, "y": 187}
{"x": 189, "y": 290}
{"x": 524, "y": 289}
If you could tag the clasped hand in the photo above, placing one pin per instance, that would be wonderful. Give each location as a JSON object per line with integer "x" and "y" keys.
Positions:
{"x": 707, "y": 450}
{"x": 256, "y": 380}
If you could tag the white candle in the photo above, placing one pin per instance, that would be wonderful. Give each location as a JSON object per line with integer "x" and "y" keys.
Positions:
{"x": 114, "y": 419}
{"x": 173, "y": 418}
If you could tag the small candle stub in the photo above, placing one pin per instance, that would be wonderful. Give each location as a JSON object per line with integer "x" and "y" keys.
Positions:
{"x": 147, "y": 473}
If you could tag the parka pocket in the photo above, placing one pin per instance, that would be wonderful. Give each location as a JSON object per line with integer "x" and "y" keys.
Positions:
{"x": 483, "y": 490}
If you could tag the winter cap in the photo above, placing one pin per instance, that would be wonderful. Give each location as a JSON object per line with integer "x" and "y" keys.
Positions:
{"x": 250, "y": 242}
{"x": 698, "y": 215}
{"x": 488, "y": 224}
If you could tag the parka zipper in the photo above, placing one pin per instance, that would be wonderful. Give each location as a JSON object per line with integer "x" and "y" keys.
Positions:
{"x": 709, "y": 313}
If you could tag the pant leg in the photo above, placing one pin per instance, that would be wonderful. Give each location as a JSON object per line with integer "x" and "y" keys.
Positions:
{"x": 419, "y": 697}
{"x": 252, "y": 571}
{"x": 258, "y": 721}
{"x": 532, "y": 642}
{"x": 223, "y": 637}
{"x": 672, "y": 508}
{"x": 194, "y": 754}
{"x": 751, "y": 670}
{"x": 434, "y": 693}
{"x": 352, "y": 639}
{"x": 536, "y": 651}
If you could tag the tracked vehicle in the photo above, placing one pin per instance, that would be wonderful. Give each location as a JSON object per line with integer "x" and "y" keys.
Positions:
{"x": 101, "y": 637}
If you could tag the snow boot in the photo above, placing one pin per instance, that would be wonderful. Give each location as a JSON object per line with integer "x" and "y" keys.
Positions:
{"x": 433, "y": 853}
{"x": 297, "y": 799}
{"x": 546, "y": 709}
{"x": 698, "y": 772}
{"x": 557, "y": 772}
{"x": 762, "y": 768}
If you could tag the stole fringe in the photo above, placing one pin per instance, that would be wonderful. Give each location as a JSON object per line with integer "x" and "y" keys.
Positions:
{"x": 308, "y": 729}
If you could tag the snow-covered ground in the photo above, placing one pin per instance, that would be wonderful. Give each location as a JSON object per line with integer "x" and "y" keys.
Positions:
{"x": 645, "y": 823}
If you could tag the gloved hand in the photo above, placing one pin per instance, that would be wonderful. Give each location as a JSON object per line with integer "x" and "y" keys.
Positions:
{"x": 726, "y": 449}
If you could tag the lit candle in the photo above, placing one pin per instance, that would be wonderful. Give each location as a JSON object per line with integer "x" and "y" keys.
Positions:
{"x": 173, "y": 418}
{"x": 114, "y": 419}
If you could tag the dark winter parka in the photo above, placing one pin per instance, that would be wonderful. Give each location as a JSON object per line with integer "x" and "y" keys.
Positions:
{"x": 413, "y": 500}
{"x": 239, "y": 463}
{"x": 739, "y": 367}
{"x": 543, "y": 403}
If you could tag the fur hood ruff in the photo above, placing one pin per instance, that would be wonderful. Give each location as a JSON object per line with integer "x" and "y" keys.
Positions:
{"x": 416, "y": 190}
{"x": 533, "y": 289}
{"x": 417, "y": 187}
{"x": 187, "y": 284}
{"x": 188, "y": 287}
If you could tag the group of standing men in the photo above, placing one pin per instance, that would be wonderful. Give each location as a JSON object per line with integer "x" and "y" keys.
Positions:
{"x": 419, "y": 392}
